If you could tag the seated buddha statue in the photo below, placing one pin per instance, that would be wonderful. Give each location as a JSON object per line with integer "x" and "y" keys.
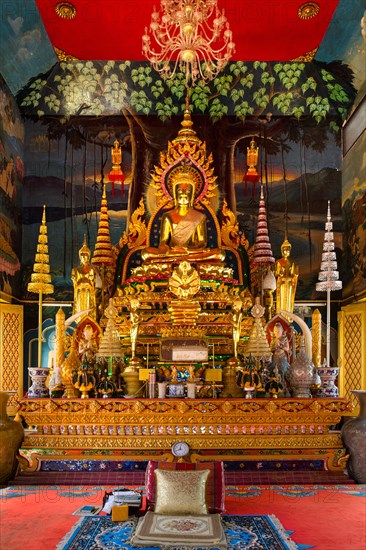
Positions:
{"x": 183, "y": 230}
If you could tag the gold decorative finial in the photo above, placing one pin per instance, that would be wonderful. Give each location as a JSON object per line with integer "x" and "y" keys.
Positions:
{"x": 40, "y": 282}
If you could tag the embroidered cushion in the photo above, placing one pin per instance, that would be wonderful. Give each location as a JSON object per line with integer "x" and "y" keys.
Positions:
{"x": 215, "y": 485}
{"x": 181, "y": 492}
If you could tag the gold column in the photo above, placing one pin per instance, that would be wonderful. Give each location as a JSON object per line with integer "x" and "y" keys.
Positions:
{"x": 60, "y": 338}
{"x": 11, "y": 353}
{"x": 317, "y": 338}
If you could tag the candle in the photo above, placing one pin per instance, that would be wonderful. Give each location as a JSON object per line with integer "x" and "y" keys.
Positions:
{"x": 110, "y": 365}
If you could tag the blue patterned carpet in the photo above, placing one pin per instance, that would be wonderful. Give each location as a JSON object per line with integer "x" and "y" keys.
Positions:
{"x": 255, "y": 532}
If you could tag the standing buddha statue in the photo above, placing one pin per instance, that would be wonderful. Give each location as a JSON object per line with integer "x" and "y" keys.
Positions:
{"x": 83, "y": 278}
{"x": 286, "y": 273}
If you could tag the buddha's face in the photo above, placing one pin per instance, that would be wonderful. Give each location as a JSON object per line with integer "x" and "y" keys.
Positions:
{"x": 184, "y": 194}
{"x": 277, "y": 330}
{"x": 84, "y": 257}
{"x": 88, "y": 332}
{"x": 286, "y": 250}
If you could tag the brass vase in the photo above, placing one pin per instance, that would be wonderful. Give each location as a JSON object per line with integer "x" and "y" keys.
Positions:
{"x": 229, "y": 376}
{"x": 11, "y": 437}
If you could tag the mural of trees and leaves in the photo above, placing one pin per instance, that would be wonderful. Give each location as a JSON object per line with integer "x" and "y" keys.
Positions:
{"x": 259, "y": 98}
{"x": 99, "y": 88}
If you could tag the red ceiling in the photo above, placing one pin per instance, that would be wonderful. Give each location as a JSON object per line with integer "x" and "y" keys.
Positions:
{"x": 264, "y": 30}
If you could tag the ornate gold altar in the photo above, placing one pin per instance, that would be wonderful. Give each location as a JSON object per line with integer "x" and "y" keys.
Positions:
{"x": 225, "y": 429}
{"x": 182, "y": 279}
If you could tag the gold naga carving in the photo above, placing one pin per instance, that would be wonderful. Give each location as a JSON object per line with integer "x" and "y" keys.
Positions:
{"x": 135, "y": 235}
{"x": 229, "y": 227}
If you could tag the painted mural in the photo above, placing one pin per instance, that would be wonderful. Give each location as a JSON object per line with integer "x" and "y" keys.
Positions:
{"x": 354, "y": 210}
{"x": 11, "y": 177}
{"x": 66, "y": 174}
{"x": 25, "y": 49}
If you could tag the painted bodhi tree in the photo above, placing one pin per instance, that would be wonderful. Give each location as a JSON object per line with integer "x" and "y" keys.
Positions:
{"x": 249, "y": 99}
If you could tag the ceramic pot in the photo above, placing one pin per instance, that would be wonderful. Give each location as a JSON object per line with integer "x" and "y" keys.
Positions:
{"x": 11, "y": 436}
{"x": 38, "y": 377}
{"x": 161, "y": 390}
{"x": 354, "y": 438}
{"x": 328, "y": 376}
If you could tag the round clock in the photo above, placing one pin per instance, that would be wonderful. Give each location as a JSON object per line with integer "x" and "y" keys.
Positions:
{"x": 180, "y": 448}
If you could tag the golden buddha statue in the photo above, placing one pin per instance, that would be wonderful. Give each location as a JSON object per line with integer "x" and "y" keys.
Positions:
{"x": 83, "y": 278}
{"x": 183, "y": 231}
{"x": 286, "y": 273}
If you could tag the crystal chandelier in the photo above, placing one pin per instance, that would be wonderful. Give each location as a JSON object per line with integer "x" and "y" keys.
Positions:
{"x": 191, "y": 35}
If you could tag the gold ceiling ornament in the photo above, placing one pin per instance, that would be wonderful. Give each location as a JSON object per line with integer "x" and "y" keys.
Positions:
{"x": 65, "y": 10}
{"x": 308, "y": 10}
{"x": 309, "y": 56}
{"x": 191, "y": 36}
{"x": 63, "y": 56}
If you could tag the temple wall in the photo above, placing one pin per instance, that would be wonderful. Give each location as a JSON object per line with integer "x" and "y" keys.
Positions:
{"x": 11, "y": 182}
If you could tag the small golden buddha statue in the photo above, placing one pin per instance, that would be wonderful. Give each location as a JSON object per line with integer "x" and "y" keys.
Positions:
{"x": 83, "y": 278}
{"x": 116, "y": 153}
{"x": 252, "y": 158}
{"x": 183, "y": 231}
{"x": 286, "y": 273}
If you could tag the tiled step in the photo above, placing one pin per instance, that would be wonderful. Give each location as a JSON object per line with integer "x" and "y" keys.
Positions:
{"x": 138, "y": 478}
